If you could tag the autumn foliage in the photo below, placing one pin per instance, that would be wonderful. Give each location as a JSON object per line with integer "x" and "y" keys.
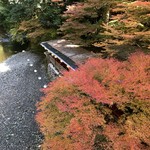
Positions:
{"x": 103, "y": 105}
{"x": 129, "y": 23}
{"x": 108, "y": 24}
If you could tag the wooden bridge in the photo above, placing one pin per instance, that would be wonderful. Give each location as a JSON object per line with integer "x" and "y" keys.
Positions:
{"x": 62, "y": 55}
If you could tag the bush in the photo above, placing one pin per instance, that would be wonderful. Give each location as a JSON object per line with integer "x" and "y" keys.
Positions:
{"x": 102, "y": 105}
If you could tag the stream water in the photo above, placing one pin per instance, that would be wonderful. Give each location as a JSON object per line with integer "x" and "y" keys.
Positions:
{"x": 5, "y": 52}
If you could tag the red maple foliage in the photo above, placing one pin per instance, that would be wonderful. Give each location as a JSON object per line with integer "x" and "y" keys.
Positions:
{"x": 102, "y": 105}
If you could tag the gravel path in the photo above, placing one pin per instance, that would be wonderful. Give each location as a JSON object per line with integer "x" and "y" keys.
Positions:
{"x": 21, "y": 77}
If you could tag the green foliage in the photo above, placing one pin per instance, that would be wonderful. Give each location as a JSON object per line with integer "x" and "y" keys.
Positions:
{"x": 3, "y": 12}
{"x": 102, "y": 105}
{"x": 34, "y": 32}
{"x": 50, "y": 15}
{"x": 17, "y": 12}
{"x": 84, "y": 21}
{"x": 32, "y": 20}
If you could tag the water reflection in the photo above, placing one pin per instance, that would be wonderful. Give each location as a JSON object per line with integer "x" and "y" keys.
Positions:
{"x": 5, "y": 52}
{"x": 4, "y": 67}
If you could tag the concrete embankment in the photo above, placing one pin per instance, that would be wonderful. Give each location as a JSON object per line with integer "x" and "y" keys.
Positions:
{"x": 21, "y": 78}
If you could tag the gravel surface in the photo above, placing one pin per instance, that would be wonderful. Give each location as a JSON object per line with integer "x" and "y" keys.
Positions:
{"x": 21, "y": 78}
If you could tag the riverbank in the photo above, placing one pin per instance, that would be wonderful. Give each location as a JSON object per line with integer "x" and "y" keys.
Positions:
{"x": 21, "y": 78}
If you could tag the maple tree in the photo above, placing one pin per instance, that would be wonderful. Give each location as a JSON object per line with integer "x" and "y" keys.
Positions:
{"x": 106, "y": 24}
{"x": 102, "y": 105}
{"x": 128, "y": 24}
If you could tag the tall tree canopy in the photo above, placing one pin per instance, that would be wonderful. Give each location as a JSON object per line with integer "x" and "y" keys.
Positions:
{"x": 98, "y": 23}
{"x": 103, "y": 23}
{"x": 32, "y": 18}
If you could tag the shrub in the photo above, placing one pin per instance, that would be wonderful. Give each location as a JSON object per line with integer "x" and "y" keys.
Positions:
{"x": 102, "y": 105}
